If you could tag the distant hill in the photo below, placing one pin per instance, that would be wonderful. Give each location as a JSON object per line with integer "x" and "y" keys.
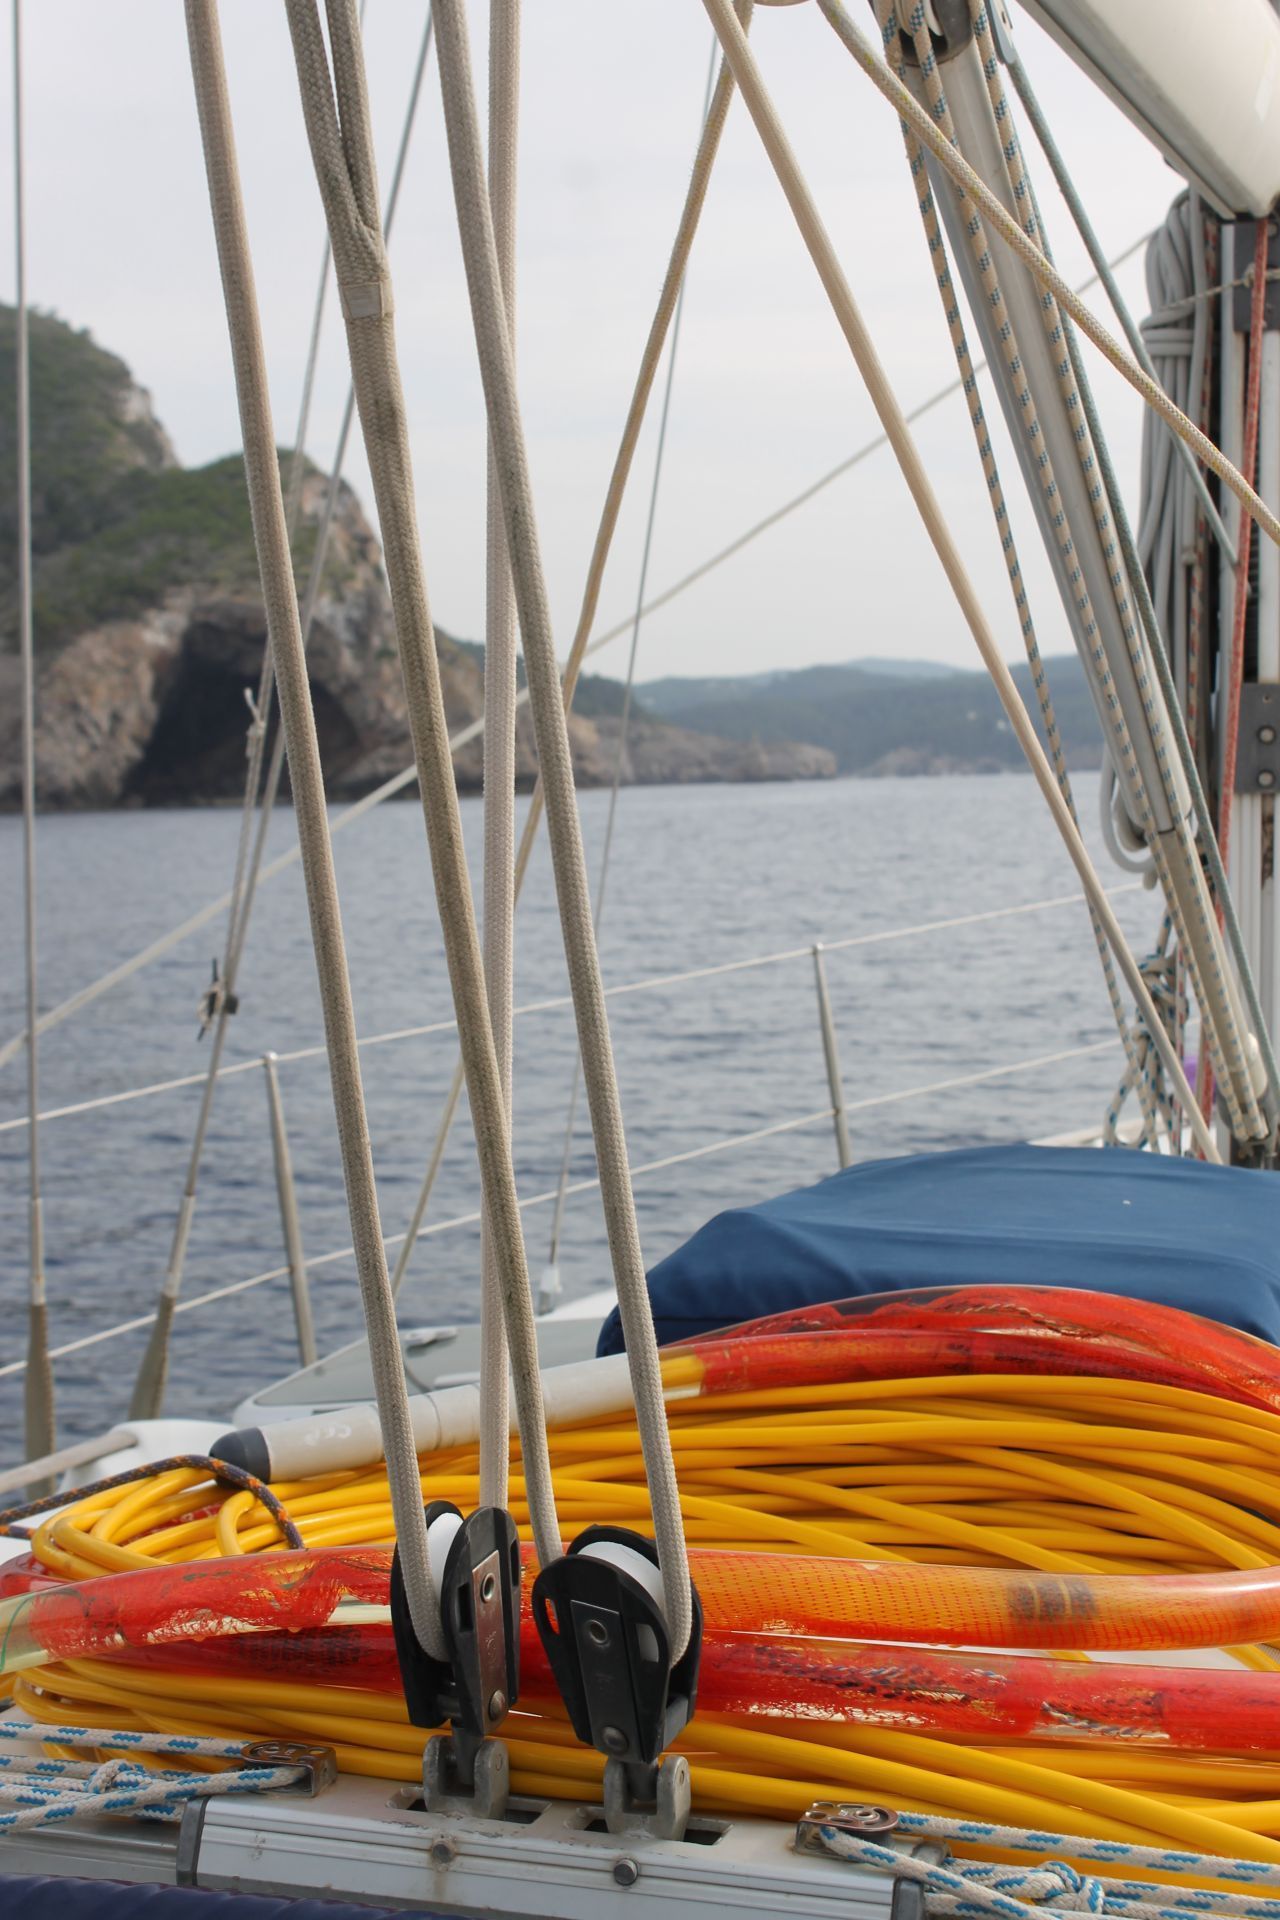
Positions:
{"x": 881, "y": 716}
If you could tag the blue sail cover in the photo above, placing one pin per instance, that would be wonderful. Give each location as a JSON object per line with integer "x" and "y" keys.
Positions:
{"x": 1178, "y": 1232}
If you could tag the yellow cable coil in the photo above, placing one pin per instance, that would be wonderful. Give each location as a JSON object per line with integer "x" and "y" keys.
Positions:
{"x": 1058, "y": 1474}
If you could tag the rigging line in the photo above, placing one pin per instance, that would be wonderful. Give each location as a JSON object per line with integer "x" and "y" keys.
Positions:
{"x": 1173, "y": 852}
{"x": 221, "y": 997}
{"x": 39, "y": 1415}
{"x": 887, "y": 17}
{"x": 708, "y": 1150}
{"x": 148, "y": 1391}
{"x": 564, "y": 835}
{"x": 553, "y": 1252}
{"x": 1019, "y": 243}
{"x": 1119, "y": 306}
{"x": 325, "y": 527}
{"x": 695, "y": 197}
{"x": 146, "y": 956}
{"x": 298, "y": 720}
{"x": 333, "y": 88}
{"x": 1234, "y": 676}
{"x": 499, "y": 756}
{"x": 1213, "y": 852}
{"x": 650, "y": 983}
{"x": 846, "y": 311}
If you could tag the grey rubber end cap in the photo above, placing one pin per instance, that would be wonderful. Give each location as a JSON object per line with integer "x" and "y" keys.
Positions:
{"x": 246, "y": 1448}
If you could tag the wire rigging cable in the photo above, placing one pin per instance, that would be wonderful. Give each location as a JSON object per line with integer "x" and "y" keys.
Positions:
{"x": 563, "y": 827}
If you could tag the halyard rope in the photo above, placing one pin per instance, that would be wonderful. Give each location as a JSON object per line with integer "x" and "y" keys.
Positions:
{"x": 499, "y": 751}
{"x": 280, "y": 598}
{"x": 336, "y": 112}
{"x": 563, "y": 826}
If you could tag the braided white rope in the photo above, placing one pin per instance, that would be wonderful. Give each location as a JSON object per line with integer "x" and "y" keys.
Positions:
{"x": 564, "y": 830}
{"x": 1020, "y": 1893}
{"x": 48, "y": 1792}
{"x": 339, "y": 133}
{"x": 499, "y": 750}
{"x": 285, "y": 637}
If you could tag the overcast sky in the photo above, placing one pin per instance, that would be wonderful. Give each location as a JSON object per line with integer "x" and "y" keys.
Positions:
{"x": 766, "y": 396}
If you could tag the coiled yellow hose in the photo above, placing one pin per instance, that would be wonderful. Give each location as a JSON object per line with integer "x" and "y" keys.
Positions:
{"x": 1063, "y": 1475}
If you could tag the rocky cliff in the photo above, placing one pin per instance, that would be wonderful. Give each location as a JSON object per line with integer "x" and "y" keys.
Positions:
{"x": 150, "y": 631}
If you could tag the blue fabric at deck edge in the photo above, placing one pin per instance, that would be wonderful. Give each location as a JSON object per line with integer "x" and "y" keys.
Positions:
{"x": 1179, "y": 1232}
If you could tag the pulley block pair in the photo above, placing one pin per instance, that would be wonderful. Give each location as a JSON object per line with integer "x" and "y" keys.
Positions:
{"x": 600, "y": 1614}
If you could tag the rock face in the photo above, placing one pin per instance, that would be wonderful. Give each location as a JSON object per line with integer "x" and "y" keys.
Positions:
{"x": 150, "y": 630}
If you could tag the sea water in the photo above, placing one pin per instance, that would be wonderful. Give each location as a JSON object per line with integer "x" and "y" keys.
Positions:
{"x": 700, "y": 876}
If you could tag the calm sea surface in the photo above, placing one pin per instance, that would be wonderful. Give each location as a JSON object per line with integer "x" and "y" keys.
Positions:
{"x": 700, "y": 876}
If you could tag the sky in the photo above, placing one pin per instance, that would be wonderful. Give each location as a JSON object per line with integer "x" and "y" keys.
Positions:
{"x": 766, "y": 397}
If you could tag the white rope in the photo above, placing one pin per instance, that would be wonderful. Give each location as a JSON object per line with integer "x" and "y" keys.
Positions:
{"x": 563, "y": 826}
{"x": 40, "y": 1422}
{"x": 816, "y": 239}
{"x": 116, "y": 976}
{"x": 340, "y": 137}
{"x": 280, "y": 598}
{"x": 1014, "y": 1892}
{"x": 499, "y": 752}
{"x": 708, "y": 1150}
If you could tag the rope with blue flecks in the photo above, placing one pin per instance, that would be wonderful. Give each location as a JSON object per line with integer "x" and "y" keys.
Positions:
{"x": 1013, "y": 1892}
{"x": 43, "y": 1792}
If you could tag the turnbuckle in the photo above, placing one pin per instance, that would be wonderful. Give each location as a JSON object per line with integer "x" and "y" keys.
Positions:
{"x": 601, "y": 1617}
{"x": 479, "y": 1588}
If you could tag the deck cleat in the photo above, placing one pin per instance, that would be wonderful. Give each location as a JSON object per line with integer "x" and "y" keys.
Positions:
{"x": 600, "y": 1613}
{"x": 475, "y": 1566}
